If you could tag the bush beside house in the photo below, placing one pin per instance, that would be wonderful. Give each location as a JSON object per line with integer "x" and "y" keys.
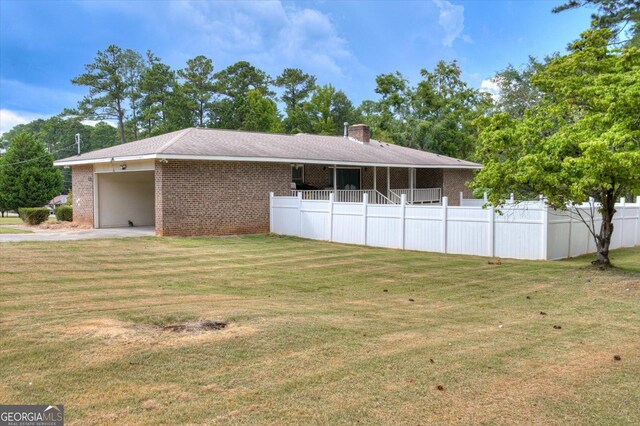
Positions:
{"x": 64, "y": 213}
{"x": 33, "y": 215}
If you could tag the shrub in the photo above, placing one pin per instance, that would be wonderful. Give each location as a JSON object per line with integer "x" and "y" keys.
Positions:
{"x": 33, "y": 215}
{"x": 64, "y": 213}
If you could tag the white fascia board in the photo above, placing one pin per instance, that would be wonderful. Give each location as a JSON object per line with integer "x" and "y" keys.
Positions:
{"x": 104, "y": 160}
{"x": 262, "y": 160}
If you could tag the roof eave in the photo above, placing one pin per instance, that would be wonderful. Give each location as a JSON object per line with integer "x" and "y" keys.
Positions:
{"x": 78, "y": 162}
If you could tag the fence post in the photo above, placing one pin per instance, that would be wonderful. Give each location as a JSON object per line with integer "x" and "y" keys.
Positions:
{"x": 461, "y": 199}
{"x": 623, "y": 201}
{"x": 511, "y": 198}
{"x": 445, "y": 203}
{"x": 331, "y": 216}
{"x": 270, "y": 211}
{"x": 545, "y": 229}
{"x": 491, "y": 236}
{"x": 403, "y": 203}
{"x": 570, "y": 232}
{"x": 485, "y": 197}
{"x": 637, "y": 238}
{"x": 300, "y": 214}
{"x": 365, "y": 202}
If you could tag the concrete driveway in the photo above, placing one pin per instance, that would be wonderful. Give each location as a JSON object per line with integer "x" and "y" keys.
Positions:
{"x": 84, "y": 234}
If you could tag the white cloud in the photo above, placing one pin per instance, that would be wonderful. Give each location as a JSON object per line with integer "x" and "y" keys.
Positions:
{"x": 451, "y": 20}
{"x": 10, "y": 119}
{"x": 491, "y": 87}
{"x": 310, "y": 36}
{"x": 93, "y": 123}
{"x": 266, "y": 33}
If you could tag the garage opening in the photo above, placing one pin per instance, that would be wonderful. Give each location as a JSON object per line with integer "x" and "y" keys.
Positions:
{"x": 126, "y": 198}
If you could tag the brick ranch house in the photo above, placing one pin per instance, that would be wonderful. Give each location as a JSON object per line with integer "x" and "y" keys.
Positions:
{"x": 217, "y": 182}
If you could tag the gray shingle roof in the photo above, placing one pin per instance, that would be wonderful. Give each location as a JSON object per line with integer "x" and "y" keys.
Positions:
{"x": 216, "y": 144}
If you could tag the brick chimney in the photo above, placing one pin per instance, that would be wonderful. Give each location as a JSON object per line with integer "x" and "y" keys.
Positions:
{"x": 361, "y": 132}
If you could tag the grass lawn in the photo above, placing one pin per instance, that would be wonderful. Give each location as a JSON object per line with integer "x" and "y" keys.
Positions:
{"x": 9, "y": 230}
{"x": 14, "y": 220}
{"x": 318, "y": 333}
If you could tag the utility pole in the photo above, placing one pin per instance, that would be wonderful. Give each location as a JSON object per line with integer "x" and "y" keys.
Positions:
{"x": 78, "y": 142}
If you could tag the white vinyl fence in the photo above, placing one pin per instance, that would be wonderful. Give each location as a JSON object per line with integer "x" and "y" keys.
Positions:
{"x": 523, "y": 231}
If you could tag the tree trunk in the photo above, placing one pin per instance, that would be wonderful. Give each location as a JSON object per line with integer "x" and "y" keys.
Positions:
{"x": 135, "y": 120}
{"x": 603, "y": 238}
{"x": 121, "y": 122}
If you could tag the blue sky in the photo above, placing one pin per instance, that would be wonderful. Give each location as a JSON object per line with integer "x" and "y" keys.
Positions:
{"x": 347, "y": 43}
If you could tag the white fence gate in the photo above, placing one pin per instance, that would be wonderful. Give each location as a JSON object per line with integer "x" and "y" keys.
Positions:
{"x": 523, "y": 231}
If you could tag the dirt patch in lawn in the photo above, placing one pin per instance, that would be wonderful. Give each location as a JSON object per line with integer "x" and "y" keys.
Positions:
{"x": 112, "y": 339}
{"x": 195, "y": 326}
{"x": 122, "y": 333}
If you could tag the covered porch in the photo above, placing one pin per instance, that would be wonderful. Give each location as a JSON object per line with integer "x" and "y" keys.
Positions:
{"x": 383, "y": 185}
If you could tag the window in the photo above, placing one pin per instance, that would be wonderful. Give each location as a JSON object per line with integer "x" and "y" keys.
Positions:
{"x": 347, "y": 178}
{"x": 297, "y": 173}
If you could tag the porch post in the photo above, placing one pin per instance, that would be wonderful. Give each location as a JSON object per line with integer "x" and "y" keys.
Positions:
{"x": 375, "y": 178}
{"x": 388, "y": 182}
{"x": 335, "y": 178}
{"x": 411, "y": 185}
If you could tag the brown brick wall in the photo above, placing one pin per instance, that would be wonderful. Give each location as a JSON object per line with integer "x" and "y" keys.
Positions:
{"x": 428, "y": 178}
{"x": 316, "y": 175}
{"x": 215, "y": 197}
{"x": 82, "y": 187}
{"x": 454, "y": 182}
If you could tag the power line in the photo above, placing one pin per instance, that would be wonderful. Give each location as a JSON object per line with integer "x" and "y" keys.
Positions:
{"x": 39, "y": 157}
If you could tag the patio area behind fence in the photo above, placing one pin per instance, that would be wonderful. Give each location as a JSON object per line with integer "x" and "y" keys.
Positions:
{"x": 528, "y": 230}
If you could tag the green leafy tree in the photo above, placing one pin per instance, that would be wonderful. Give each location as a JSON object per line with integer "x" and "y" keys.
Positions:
{"x": 103, "y": 135}
{"x": 328, "y": 110}
{"x": 437, "y": 115}
{"x": 516, "y": 92}
{"x": 445, "y": 108}
{"x": 582, "y": 140}
{"x": 155, "y": 85}
{"x": 296, "y": 88}
{"x": 296, "y": 85}
{"x": 260, "y": 114}
{"x": 108, "y": 88}
{"x": 622, "y": 17}
{"x": 392, "y": 114}
{"x": 27, "y": 175}
{"x": 57, "y": 134}
{"x": 179, "y": 109}
{"x": 199, "y": 85}
{"x": 4, "y": 196}
{"x": 133, "y": 69}
{"x": 234, "y": 84}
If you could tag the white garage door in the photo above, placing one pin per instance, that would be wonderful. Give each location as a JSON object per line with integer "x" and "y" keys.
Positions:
{"x": 124, "y": 197}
